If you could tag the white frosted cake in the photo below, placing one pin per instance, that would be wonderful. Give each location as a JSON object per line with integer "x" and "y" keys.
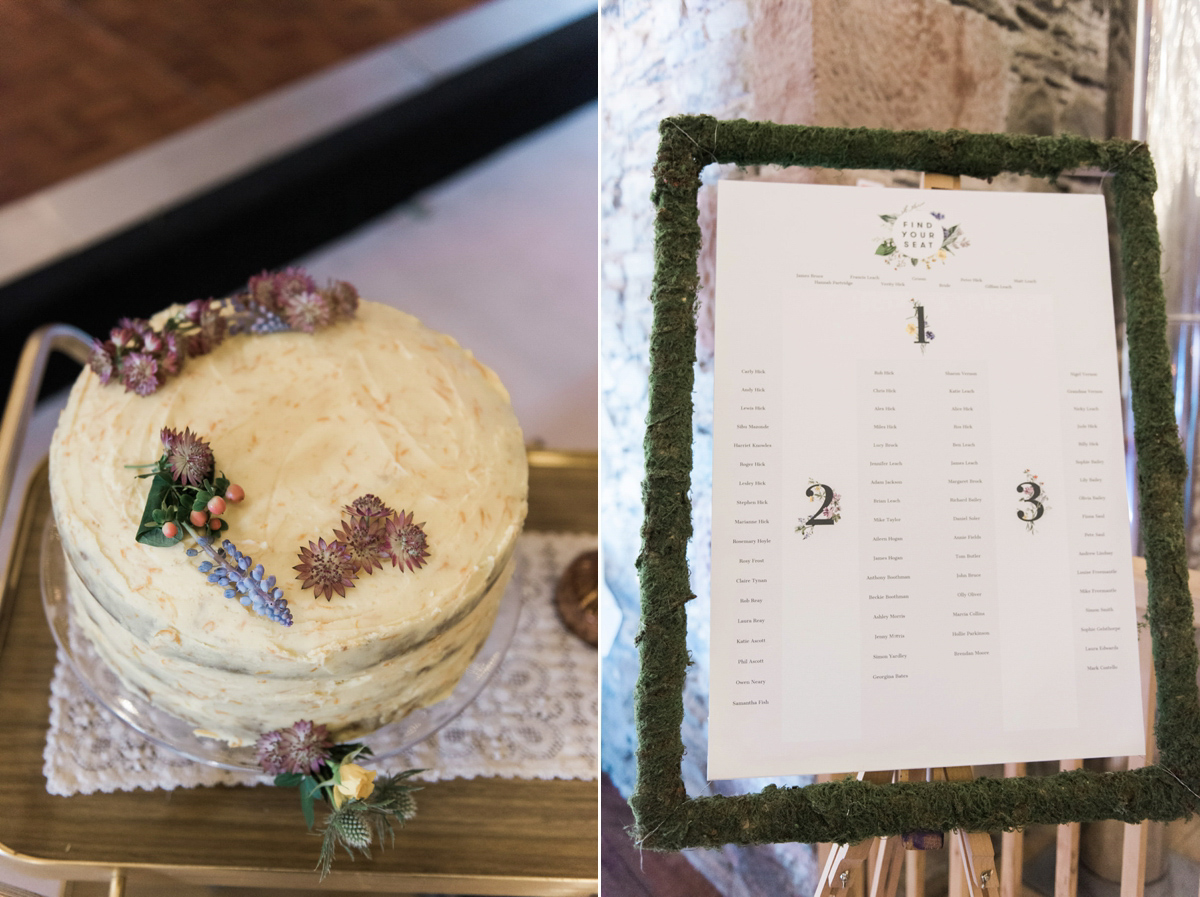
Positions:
{"x": 305, "y": 423}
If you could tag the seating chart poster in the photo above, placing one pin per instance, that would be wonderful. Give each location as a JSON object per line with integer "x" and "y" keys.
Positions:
{"x": 921, "y": 550}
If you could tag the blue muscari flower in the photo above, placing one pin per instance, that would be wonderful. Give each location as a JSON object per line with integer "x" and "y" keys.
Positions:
{"x": 228, "y": 568}
{"x": 257, "y": 319}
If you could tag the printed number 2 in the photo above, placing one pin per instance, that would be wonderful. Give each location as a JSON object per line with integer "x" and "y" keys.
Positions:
{"x": 1037, "y": 490}
{"x": 816, "y": 519}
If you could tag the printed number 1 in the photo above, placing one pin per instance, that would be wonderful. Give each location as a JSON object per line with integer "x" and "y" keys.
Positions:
{"x": 921, "y": 324}
{"x": 816, "y": 519}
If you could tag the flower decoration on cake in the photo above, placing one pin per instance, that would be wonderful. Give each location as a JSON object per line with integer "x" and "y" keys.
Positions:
{"x": 326, "y": 568}
{"x": 406, "y": 540}
{"x": 373, "y": 533}
{"x": 141, "y": 356}
{"x": 184, "y": 492}
{"x": 366, "y": 542}
{"x": 364, "y": 805}
{"x": 185, "y": 496}
{"x": 304, "y": 748}
{"x": 236, "y": 573}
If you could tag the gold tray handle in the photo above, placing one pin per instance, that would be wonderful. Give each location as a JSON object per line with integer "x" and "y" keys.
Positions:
{"x": 31, "y": 368}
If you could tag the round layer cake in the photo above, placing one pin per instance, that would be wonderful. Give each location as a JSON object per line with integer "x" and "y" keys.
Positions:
{"x": 305, "y": 423}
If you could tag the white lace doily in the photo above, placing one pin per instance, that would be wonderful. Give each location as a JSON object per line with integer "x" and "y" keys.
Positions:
{"x": 536, "y": 719}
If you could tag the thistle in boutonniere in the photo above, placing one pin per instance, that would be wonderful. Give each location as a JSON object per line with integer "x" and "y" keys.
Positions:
{"x": 364, "y": 807}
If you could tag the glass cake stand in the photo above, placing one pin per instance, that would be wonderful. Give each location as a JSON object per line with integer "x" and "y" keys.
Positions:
{"x": 132, "y": 707}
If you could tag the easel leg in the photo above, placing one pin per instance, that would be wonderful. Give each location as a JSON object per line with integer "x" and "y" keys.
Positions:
{"x": 975, "y": 855}
{"x": 1066, "y": 856}
{"x": 914, "y": 873}
{"x": 1012, "y": 848}
{"x": 886, "y": 879}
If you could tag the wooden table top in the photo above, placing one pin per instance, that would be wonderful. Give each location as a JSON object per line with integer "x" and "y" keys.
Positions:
{"x": 476, "y": 836}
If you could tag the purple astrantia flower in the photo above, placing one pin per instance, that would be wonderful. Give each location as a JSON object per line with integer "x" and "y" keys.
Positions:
{"x": 139, "y": 373}
{"x": 326, "y": 568}
{"x": 102, "y": 360}
{"x": 173, "y": 352}
{"x": 262, "y": 291}
{"x": 368, "y": 506}
{"x": 366, "y": 542}
{"x": 928, "y": 334}
{"x": 406, "y": 542}
{"x": 938, "y": 215}
{"x": 307, "y": 312}
{"x": 188, "y": 456}
{"x": 300, "y": 749}
{"x": 294, "y": 282}
{"x": 344, "y": 298}
{"x": 210, "y": 323}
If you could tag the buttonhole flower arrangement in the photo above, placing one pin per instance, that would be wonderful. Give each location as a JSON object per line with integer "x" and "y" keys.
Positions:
{"x": 364, "y": 807}
{"x": 371, "y": 533}
{"x": 141, "y": 356}
{"x": 185, "y": 496}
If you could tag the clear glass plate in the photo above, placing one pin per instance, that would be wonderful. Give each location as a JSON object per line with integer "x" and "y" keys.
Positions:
{"x": 167, "y": 731}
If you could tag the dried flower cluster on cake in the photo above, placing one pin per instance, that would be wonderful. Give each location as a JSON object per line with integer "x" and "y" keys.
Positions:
{"x": 373, "y": 534}
{"x": 141, "y": 355}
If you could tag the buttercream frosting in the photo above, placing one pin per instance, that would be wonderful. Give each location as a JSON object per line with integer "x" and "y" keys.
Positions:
{"x": 305, "y": 424}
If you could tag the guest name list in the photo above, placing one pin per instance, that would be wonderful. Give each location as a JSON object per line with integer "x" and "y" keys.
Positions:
{"x": 920, "y": 553}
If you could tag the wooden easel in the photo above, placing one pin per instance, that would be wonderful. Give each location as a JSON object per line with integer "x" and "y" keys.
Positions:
{"x": 883, "y": 856}
{"x": 843, "y": 873}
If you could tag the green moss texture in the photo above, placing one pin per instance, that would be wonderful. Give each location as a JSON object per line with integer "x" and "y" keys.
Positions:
{"x": 666, "y": 818}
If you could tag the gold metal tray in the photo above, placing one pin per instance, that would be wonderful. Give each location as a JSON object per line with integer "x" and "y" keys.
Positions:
{"x": 471, "y": 836}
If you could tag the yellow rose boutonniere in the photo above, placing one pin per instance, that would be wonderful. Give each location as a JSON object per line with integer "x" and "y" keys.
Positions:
{"x": 356, "y": 783}
{"x": 364, "y": 811}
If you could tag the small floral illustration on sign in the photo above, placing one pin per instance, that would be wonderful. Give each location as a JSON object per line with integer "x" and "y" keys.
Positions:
{"x": 918, "y": 326}
{"x": 829, "y": 512}
{"x": 917, "y": 237}
{"x": 1033, "y": 500}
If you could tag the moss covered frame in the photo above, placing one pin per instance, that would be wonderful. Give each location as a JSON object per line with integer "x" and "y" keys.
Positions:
{"x": 845, "y": 812}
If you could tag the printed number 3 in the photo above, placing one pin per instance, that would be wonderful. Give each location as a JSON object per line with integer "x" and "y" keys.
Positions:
{"x": 816, "y": 519}
{"x": 1037, "y": 490}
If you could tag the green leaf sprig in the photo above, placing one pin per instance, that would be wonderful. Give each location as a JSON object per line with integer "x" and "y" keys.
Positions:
{"x": 185, "y": 495}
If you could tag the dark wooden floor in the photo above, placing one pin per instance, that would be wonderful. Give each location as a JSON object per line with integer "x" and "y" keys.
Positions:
{"x": 626, "y": 871}
{"x": 85, "y": 81}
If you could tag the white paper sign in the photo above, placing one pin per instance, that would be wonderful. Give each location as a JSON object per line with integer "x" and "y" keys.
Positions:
{"x": 920, "y": 531}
